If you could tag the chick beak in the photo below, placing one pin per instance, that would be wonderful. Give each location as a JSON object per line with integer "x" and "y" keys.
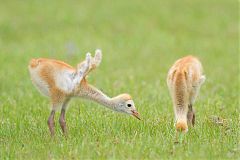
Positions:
{"x": 136, "y": 114}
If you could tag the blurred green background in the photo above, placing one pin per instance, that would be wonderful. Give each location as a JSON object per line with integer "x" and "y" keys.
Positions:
{"x": 140, "y": 40}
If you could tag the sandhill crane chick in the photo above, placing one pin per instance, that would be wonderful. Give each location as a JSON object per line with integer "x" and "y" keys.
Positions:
{"x": 61, "y": 82}
{"x": 184, "y": 81}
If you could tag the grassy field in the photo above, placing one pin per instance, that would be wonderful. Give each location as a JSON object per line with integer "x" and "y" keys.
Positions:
{"x": 140, "y": 41}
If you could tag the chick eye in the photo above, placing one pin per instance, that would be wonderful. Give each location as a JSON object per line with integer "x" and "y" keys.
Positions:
{"x": 129, "y": 105}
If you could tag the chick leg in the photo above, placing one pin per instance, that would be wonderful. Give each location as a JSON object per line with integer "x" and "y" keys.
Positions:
{"x": 51, "y": 123}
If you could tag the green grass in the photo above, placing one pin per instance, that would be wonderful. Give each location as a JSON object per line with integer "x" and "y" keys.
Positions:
{"x": 140, "y": 41}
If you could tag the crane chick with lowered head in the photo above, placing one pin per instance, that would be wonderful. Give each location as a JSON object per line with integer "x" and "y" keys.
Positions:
{"x": 184, "y": 81}
{"x": 61, "y": 82}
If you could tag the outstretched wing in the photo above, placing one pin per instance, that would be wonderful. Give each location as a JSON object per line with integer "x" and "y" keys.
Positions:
{"x": 85, "y": 67}
{"x": 95, "y": 61}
